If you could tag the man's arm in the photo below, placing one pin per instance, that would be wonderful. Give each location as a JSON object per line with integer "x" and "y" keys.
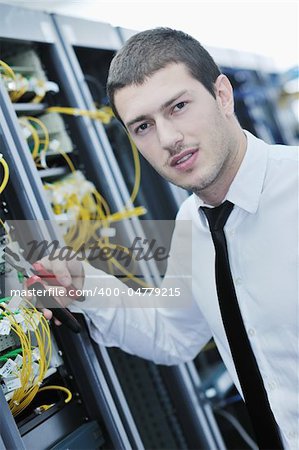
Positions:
{"x": 165, "y": 325}
{"x": 166, "y": 328}
{"x": 168, "y": 335}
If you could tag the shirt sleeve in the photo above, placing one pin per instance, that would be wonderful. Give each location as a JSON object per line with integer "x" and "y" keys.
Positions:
{"x": 163, "y": 335}
{"x": 166, "y": 330}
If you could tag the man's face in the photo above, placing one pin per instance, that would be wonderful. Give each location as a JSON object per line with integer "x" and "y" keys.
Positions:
{"x": 179, "y": 127}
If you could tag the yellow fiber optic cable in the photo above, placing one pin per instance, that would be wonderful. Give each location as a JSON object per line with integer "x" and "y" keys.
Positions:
{"x": 46, "y": 140}
{"x": 120, "y": 215}
{"x": 82, "y": 232}
{"x": 6, "y": 229}
{"x": 34, "y": 135}
{"x": 18, "y": 94}
{"x": 102, "y": 115}
{"x": 105, "y": 115}
{"x": 101, "y": 202}
{"x": 38, "y": 98}
{"x": 68, "y": 160}
{"x": 137, "y": 170}
{"x": 36, "y": 139}
{"x": 34, "y": 383}
{"x": 30, "y": 384}
{"x": 26, "y": 368}
{"x": 6, "y": 173}
{"x": 8, "y": 69}
{"x": 128, "y": 274}
{"x": 58, "y": 388}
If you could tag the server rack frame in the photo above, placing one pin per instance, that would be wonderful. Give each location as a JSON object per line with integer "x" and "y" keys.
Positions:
{"x": 86, "y": 363}
{"x": 36, "y": 208}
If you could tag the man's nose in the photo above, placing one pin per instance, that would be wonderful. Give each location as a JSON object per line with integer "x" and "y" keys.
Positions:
{"x": 170, "y": 137}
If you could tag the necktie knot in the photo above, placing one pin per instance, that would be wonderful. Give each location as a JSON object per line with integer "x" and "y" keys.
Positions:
{"x": 218, "y": 216}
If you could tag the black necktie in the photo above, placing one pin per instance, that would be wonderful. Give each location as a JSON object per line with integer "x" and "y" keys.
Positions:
{"x": 255, "y": 396}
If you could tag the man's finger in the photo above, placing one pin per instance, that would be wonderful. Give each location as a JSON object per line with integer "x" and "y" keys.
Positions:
{"x": 57, "y": 322}
{"x": 47, "y": 313}
{"x": 59, "y": 269}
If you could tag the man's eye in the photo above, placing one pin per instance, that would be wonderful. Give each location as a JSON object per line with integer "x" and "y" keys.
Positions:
{"x": 179, "y": 105}
{"x": 141, "y": 127}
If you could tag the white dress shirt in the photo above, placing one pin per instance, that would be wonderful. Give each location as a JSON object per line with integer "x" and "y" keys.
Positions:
{"x": 262, "y": 239}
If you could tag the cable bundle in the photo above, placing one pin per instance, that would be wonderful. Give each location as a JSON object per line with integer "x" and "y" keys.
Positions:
{"x": 87, "y": 215}
{"x": 29, "y": 89}
{"x": 73, "y": 197}
{"x": 24, "y": 368}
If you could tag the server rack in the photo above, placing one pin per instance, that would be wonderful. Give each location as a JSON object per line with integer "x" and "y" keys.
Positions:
{"x": 50, "y": 50}
{"x": 24, "y": 199}
{"x": 255, "y": 108}
{"x": 92, "y": 405}
{"x": 257, "y": 91}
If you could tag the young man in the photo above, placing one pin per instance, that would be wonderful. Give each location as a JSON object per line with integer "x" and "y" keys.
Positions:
{"x": 179, "y": 110}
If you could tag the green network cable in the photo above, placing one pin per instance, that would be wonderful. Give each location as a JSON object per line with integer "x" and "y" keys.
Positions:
{"x": 11, "y": 354}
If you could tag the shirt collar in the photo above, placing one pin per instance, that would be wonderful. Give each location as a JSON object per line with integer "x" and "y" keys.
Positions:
{"x": 246, "y": 188}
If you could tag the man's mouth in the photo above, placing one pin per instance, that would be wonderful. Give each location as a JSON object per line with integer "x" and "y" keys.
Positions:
{"x": 183, "y": 157}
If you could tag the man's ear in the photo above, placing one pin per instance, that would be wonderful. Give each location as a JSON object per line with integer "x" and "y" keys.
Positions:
{"x": 224, "y": 95}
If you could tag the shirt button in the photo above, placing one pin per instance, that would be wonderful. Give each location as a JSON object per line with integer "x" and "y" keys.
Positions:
{"x": 238, "y": 281}
{"x": 251, "y": 332}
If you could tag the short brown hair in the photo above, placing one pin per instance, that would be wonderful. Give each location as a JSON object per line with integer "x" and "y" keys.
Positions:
{"x": 149, "y": 51}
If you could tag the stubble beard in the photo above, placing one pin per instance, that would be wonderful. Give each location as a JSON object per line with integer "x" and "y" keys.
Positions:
{"x": 214, "y": 174}
{"x": 199, "y": 185}
{"x": 223, "y": 145}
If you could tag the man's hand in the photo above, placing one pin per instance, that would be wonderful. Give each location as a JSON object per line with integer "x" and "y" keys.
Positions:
{"x": 67, "y": 273}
